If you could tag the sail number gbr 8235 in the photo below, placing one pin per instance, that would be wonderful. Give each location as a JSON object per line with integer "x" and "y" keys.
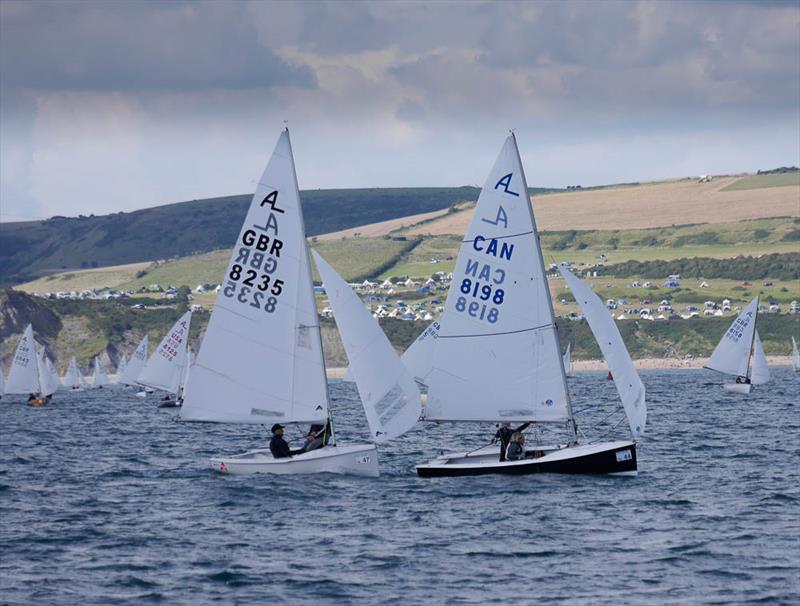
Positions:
{"x": 251, "y": 278}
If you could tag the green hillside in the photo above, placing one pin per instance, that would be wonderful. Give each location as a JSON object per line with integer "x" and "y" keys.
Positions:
{"x": 35, "y": 248}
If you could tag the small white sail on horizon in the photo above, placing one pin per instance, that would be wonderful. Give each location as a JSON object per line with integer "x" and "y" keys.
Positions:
{"x": 795, "y": 356}
{"x": 732, "y": 354}
{"x": 569, "y": 369}
{"x": 759, "y": 374}
{"x": 165, "y": 368}
{"x": 72, "y": 378}
{"x": 99, "y": 378}
{"x": 123, "y": 364}
{"x": 48, "y": 381}
{"x": 23, "y": 377}
{"x": 629, "y": 386}
{"x": 135, "y": 365}
{"x": 2, "y": 384}
{"x": 388, "y": 392}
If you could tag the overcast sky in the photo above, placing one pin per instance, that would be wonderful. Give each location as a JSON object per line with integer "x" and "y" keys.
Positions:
{"x": 108, "y": 106}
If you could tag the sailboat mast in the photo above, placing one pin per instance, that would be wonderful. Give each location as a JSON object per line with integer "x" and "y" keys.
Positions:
{"x": 573, "y": 427}
{"x": 311, "y": 292}
{"x": 752, "y": 340}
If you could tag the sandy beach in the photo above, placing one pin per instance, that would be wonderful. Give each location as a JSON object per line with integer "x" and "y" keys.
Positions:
{"x": 643, "y": 364}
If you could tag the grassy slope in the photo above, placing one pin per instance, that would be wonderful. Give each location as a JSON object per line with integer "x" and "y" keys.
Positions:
{"x": 764, "y": 181}
{"x": 35, "y": 248}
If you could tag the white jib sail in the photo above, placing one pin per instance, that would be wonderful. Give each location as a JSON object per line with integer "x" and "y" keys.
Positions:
{"x": 418, "y": 358}
{"x": 732, "y": 354}
{"x": 626, "y": 379}
{"x": 185, "y": 379}
{"x": 388, "y": 392}
{"x": 2, "y": 384}
{"x": 567, "y": 359}
{"x": 760, "y": 371}
{"x": 164, "y": 369}
{"x": 795, "y": 356}
{"x": 261, "y": 358}
{"x": 99, "y": 378}
{"x": 497, "y": 356}
{"x": 72, "y": 378}
{"x": 23, "y": 378}
{"x": 48, "y": 383}
{"x": 134, "y": 365}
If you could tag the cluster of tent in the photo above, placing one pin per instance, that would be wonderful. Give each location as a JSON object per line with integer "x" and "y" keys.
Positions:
{"x": 33, "y": 374}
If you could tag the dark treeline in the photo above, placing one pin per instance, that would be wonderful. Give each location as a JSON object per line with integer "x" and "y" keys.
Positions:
{"x": 778, "y": 266}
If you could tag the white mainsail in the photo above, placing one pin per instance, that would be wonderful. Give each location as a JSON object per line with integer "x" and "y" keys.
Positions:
{"x": 497, "y": 355}
{"x": 261, "y": 359}
{"x": 388, "y": 392}
{"x": 760, "y": 369}
{"x": 604, "y": 328}
{"x": 99, "y": 378}
{"x": 23, "y": 378}
{"x": 48, "y": 382}
{"x": 569, "y": 370}
{"x": 135, "y": 365}
{"x": 164, "y": 370}
{"x": 72, "y": 378}
{"x": 732, "y": 354}
{"x": 795, "y": 356}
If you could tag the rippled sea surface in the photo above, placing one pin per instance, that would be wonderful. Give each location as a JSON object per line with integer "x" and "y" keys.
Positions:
{"x": 106, "y": 499}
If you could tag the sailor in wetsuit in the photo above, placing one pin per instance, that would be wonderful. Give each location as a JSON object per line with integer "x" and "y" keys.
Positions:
{"x": 278, "y": 446}
{"x": 504, "y": 434}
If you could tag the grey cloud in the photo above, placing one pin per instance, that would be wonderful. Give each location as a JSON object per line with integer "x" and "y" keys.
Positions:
{"x": 136, "y": 46}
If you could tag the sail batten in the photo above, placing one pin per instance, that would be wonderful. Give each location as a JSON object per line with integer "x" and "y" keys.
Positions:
{"x": 261, "y": 358}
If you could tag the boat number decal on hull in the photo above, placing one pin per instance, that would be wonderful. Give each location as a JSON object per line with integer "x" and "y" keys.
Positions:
{"x": 623, "y": 455}
{"x": 363, "y": 460}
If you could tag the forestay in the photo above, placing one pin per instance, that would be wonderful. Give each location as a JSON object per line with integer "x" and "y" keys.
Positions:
{"x": 732, "y": 354}
{"x": 261, "y": 358}
{"x": 390, "y": 397}
{"x": 135, "y": 364}
{"x": 626, "y": 379}
{"x": 760, "y": 372}
{"x": 23, "y": 378}
{"x": 497, "y": 357}
{"x": 164, "y": 369}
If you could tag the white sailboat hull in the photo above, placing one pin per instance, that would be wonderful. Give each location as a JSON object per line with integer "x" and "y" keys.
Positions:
{"x": 355, "y": 459}
{"x": 743, "y": 388}
{"x": 605, "y": 457}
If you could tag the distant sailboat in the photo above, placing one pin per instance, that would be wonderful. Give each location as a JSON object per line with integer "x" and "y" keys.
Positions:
{"x": 135, "y": 364}
{"x": 569, "y": 369}
{"x": 99, "y": 378}
{"x": 123, "y": 363}
{"x": 496, "y": 357}
{"x": 166, "y": 367}
{"x": 261, "y": 360}
{"x": 795, "y": 356}
{"x": 29, "y": 374}
{"x": 72, "y": 378}
{"x": 2, "y": 384}
{"x": 732, "y": 355}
